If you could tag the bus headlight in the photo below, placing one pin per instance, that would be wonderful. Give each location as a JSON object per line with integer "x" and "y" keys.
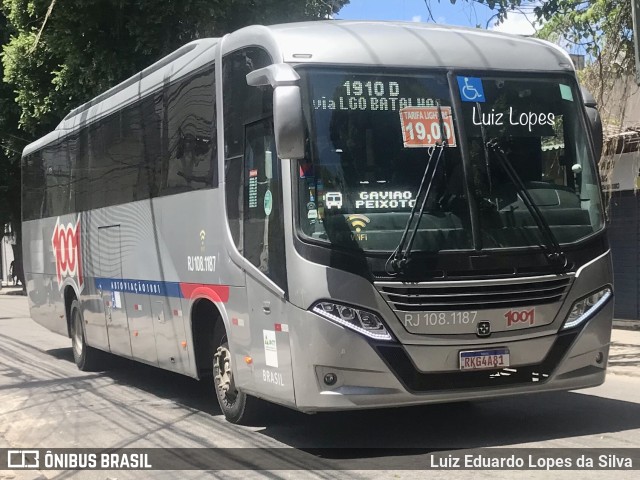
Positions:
{"x": 362, "y": 321}
{"x": 585, "y": 308}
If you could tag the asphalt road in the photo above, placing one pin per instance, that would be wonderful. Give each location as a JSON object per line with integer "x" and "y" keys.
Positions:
{"x": 46, "y": 402}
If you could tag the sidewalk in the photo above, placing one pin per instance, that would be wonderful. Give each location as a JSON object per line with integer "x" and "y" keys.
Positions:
{"x": 626, "y": 324}
{"x": 11, "y": 290}
{"x": 624, "y": 354}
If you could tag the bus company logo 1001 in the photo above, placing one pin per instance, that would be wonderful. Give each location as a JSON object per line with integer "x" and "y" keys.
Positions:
{"x": 66, "y": 251}
{"x": 520, "y": 316}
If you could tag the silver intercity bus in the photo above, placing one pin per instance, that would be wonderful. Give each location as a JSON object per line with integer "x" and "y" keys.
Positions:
{"x": 331, "y": 216}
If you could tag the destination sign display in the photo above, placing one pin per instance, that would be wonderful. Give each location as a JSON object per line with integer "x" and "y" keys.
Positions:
{"x": 371, "y": 95}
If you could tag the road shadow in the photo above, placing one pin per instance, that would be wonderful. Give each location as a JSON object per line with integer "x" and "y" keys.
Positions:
{"x": 186, "y": 391}
{"x": 61, "y": 354}
{"x": 401, "y": 432}
{"x": 516, "y": 420}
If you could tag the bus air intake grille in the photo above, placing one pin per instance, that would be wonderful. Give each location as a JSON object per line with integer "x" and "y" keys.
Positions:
{"x": 475, "y": 295}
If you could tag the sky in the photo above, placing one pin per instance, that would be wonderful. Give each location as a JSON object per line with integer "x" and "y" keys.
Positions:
{"x": 464, "y": 13}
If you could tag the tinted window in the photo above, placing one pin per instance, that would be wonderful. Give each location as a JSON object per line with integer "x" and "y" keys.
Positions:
{"x": 374, "y": 137}
{"x": 190, "y": 160}
{"x": 242, "y": 104}
{"x": 117, "y": 170}
{"x": 78, "y": 147}
{"x": 533, "y": 125}
{"x": 57, "y": 173}
{"x": 263, "y": 219}
{"x": 162, "y": 144}
{"x": 33, "y": 186}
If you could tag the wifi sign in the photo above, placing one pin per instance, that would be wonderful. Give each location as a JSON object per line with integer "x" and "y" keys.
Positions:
{"x": 358, "y": 222}
{"x": 203, "y": 235}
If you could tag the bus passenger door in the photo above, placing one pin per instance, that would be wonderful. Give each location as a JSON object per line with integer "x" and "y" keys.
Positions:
{"x": 263, "y": 246}
{"x": 270, "y": 348}
{"x": 115, "y": 311}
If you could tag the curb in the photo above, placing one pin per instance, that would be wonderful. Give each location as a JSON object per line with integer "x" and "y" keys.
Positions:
{"x": 11, "y": 290}
{"x": 633, "y": 325}
{"x": 22, "y": 475}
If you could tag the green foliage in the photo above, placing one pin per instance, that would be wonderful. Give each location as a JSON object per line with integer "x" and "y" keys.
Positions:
{"x": 59, "y": 54}
{"x": 601, "y": 28}
{"x": 87, "y": 46}
{"x": 11, "y": 145}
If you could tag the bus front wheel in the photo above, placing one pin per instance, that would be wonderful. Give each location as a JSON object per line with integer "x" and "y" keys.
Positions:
{"x": 86, "y": 357}
{"x": 237, "y": 406}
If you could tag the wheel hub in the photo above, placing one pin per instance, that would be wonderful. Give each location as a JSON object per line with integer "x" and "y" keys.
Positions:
{"x": 223, "y": 374}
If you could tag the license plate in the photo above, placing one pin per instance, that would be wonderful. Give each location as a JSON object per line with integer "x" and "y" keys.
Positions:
{"x": 484, "y": 359}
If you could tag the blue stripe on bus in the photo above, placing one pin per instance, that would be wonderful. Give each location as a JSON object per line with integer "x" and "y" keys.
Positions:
{"x": 141, "y": 287}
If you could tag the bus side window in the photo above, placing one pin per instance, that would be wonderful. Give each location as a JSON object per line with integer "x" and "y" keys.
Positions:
{"x": 190, "y": 160}
{"x": 57, "y": 180}
{"x": 241, "y": 104}
{"x": 112, "y": 157}
{"x": 33, "y": 190}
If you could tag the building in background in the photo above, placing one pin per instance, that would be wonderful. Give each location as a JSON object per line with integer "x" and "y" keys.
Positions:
{"x": 620, "y": 172}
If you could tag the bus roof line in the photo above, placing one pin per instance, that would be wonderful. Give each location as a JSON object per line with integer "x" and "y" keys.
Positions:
{"x": 164, "y": 63}
{"x": 359, "y": 42}
{"x": 168, "y": 71}
{"x": 412, "y": 44}
{"x": 253, "y": 35}
{"x": 558, "y": 48}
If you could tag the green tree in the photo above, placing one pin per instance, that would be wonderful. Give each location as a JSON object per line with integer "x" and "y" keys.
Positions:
{"x": 602, "y": 29}
{"x": 57, "y": 55}
{"x": 12, "y": 142}
{"x": 58, "y": 61}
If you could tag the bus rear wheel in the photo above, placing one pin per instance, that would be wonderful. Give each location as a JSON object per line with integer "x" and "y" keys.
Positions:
{"x": 86, "y": 357}
{"x": 237, "y": 406}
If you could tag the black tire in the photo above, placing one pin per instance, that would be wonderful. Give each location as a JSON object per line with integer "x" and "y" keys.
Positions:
{"x": 87, "y": 358}
{"x": 237, "y": 406}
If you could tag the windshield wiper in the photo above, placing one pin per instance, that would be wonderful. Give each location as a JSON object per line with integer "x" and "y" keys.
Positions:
{"x": 555, "y": 256}
{"x": 400, "y": 256}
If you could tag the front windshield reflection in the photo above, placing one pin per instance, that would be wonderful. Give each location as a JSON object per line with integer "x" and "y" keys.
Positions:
{"x": 370, "y": 136}
{"x": 361, "y": 175}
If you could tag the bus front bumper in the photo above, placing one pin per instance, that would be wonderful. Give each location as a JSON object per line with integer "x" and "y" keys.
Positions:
{"x": 374, "y": 374}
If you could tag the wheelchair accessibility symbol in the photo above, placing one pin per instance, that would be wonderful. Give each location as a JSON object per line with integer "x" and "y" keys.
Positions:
{"x": 471, "y": 89}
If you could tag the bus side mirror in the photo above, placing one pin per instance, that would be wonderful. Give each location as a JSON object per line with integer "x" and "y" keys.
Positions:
{"x": 595, "y": 122}
{"x": 288, "y": 122}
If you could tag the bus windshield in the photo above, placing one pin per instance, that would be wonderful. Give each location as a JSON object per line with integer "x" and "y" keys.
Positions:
{"x": 373, "y": 134}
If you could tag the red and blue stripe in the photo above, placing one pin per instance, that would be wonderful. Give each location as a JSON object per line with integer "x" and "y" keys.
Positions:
{"x": 216, "y": 293}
